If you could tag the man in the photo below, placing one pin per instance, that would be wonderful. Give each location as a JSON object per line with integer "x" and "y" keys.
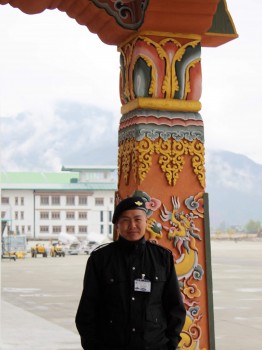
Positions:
{"x": 131, "y": 298}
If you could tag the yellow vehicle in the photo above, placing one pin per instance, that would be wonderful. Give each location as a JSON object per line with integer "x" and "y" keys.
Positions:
{"x": 20, "y": 254}
{"x": 38, "y": 249}
{"x": 57, "y": 250}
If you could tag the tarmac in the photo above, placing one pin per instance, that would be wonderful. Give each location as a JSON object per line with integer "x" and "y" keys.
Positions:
{"x": 24, "y": 330}
{"x": 40, "y": 297}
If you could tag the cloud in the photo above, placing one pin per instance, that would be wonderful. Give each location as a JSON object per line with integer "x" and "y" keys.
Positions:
{"x": 48, "y": 57}
{"x": 74, "y": 134}
{"x": 231, "y": 86}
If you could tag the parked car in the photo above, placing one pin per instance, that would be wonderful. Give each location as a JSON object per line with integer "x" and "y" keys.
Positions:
{"x": 73, "y": 249}
{"x": 90, "y": 246}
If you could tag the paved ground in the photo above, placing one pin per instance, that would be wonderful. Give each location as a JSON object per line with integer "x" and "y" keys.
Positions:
{"x": 237, "y": 286}
{"x": 40, "y": 297}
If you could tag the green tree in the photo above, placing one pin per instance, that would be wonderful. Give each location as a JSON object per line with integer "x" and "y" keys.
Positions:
{"x": 253, "y": 226}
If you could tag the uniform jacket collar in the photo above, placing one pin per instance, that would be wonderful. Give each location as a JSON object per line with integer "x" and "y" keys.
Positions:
{"x": 131, "y": 246}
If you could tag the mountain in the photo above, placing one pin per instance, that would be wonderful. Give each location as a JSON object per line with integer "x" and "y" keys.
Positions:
{"x": 71, "y": 133}
{"x": 77, "y": 134}
{"x": 234, "y": 187}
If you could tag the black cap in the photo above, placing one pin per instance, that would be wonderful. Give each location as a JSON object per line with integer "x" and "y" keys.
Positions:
{"x": 128, "y": 204}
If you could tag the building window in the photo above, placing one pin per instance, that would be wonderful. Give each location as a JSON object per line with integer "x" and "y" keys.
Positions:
{"x": 5, "y": 200}
{"x": 44, "y": 200}
{"x": 101, "y": 216}
{"x": 99, "y": 201}
{"x": 101, "y": 229}
{"x": 55, "y": 200}
{"x": 70, "y": 200}
{"x": 44, "y": 215}
{"x": 70, "y": 214}
{"x": 82, "y": 200}
{"x": 110, "y": 229}
{"x": 16, "y": 215}
{"x": 56, "y": 229}
{"x": 110, "y": 216}
{"x": 82, "y": 215}
{"x": 70, "y": 229}
{"x": 55, "y": 215}
{"x": 17, "y": 230}
{"x": 16, "y": 200}
{"x": 22, "y": 215}
{"x": 23, "y": 230}
{"x": 82, "y": 229}
{"x": 22, "y": 201}
{"x": 2, "y": 214}
{"x": 44, "y": 229}
{"x": 28, "y": 228}
{"x": 111, "y": 200}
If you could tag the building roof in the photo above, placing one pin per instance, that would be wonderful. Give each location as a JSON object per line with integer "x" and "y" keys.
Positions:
{"x": 38, "y": 177}
{"x": 62, "y": 181}
{"x": 89, "y": 168}
{"x": 116, "y": 21}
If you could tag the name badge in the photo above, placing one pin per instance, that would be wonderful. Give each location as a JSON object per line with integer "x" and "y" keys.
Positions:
{"x": 142, "y": 285}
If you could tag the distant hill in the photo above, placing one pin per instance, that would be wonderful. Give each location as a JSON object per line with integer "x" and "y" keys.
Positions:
{"x": 234, "y": 187}
{"x": 80, "y": 134}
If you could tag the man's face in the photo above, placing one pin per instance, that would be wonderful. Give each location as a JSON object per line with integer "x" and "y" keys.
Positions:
{"x": 132, "y": 224}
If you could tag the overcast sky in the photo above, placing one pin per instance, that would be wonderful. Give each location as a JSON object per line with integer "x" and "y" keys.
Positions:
{"x": 47, "y": 59}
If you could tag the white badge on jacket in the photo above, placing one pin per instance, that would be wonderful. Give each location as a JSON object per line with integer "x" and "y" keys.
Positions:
{"x": 142, "y": 285}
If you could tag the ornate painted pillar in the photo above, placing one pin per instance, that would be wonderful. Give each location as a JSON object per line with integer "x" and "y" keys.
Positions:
{"x": 161, "y": 139}
{"x": 161, "y": 157}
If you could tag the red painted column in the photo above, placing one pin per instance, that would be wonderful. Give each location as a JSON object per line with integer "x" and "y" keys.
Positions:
{"x": 161, "y": 157}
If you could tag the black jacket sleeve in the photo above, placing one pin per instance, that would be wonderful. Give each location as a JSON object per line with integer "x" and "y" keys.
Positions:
{"x": 88, "y": 305}
{"x": 174, "y": 306}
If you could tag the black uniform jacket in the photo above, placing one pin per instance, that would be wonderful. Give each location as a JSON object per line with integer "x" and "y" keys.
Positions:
{"x": 114, "y": 315}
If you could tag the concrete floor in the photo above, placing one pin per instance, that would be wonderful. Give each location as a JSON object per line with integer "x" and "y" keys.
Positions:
{"x": 40, "y": 297}
{"x": 237, "y": 293}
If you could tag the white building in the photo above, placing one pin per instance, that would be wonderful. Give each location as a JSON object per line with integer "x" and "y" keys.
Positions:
{"x": 77, "y": 200}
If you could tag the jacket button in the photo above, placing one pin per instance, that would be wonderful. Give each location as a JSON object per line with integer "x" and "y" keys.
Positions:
{"x": 111, "y": 280}
{"x": 133, "y": 298}
{"x": 133, "y": 329}
{"x": 133, "y": 268}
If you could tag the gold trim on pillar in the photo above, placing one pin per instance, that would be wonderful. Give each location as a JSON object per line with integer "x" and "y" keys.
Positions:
{"x": 165, "y": 104}
{"x": 188, "y": 87}
{"x": 161, "y": 57}
{"x": 161, "y": 34}
{"x": 137, "y": 155}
